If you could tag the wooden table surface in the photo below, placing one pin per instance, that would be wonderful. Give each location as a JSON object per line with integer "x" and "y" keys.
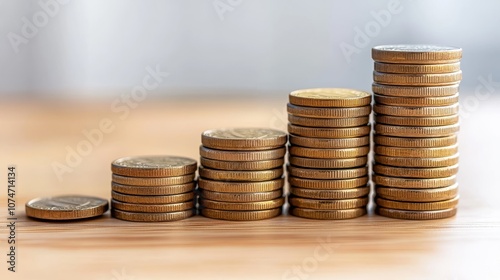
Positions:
{"x": 35, "y": 134}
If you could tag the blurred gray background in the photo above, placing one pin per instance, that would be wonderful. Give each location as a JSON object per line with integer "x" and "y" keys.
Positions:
{"x": 96, "y": 48}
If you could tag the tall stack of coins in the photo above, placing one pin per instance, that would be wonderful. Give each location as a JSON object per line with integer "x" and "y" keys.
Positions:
{"x": 241, "y": 173}
{"x": 416, "y": 125}
{"x": 153, "y": 188}
{"x": 329, "y": 143}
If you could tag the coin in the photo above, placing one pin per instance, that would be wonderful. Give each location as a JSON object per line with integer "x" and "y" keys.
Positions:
{"x": 316, "y": 112}
{"x": 417, "y": 206}
{"x": 415, "y": 142}
{"x": 243, "y": 138}
{"x": 417, "y": 68}
{"x": 326, "y": 143}
{"x": 152, "y": 199}
{"x": 327, "y": 204}
{"x": 152, "y": 208}
{"x": 330, "y": 97}
{"x": 418, "y": 195}
{"x": 240, "y": 215}
{"x": 330, "y": 194}
{"x": 240, "y": 197}
{"x": 416, "y": 101}
{"x": 410, "y": 91}
{"x": 414, "y": 183}
{"x": 66, "y": 207}
{"x": 416, "y": 111}
{"x": 328, "y": 184}
{"x": 242, "y": 206}
{"x": 331, "y": 174}
{"x": 328, "y": 163}
{"x": 416, "y": 152}
{"x": 417, "y": 79}
{"x": 153, "y": 166}
{"x": 242, "y": 165}
{"x": 417, "y": 162}
{"x": 151, "y": 182}
{"x": 241, "y": 187}
{"x": 252, "y": 176}
{"x": 416, "y": 54}
{"x": 319, "y": 132}
{"x": 328, "y": 153}
{"x": 416, "y": 131}
{"x": 327, "y": 214}
{"x": 419, "y": 121}
{"x": 242, "y": 156}
{"x": 152, "y": 217}
{"x": 405, "y": 172}
{"x": 157, "y": 190}
{"x": 416, "y": 215}
{"x": 315, "y": 122}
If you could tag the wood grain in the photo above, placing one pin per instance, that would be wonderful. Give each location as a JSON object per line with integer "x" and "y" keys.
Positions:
{"x": 36, "y": 134}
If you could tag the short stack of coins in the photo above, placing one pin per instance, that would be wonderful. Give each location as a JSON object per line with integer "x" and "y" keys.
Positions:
{"x": 241, "y": 173}
{"x": 153, "y": 188}
{"x": 416, "y": 124}
{"x": 329, "y": 134}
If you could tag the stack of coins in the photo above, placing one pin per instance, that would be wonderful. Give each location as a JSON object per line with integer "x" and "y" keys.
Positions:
{"x": 153, "y": 188}
{"x": 329, "y": 143}
{"x": 241, "y": 173}
{"x": 416, "y": 125}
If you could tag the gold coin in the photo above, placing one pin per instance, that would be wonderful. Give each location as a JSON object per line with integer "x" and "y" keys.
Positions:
{"x": 418, "y": 195}
{"x": 242, "y": 165}
{"x": 330, "y": 194}
{"x": 315, "y": 122}
{"x": 241, "y": 187}
{"x": 245, "y": 176}
{"x": 416, "y": 111}
{"x": 242, "y": 206}
{"x": 328, "y": 163}
{"x": 325, "y": 143}
{"x": 152, "y": 208}
{"x": 416, "y": 215}
{"x": 331, "y": 174}
{"x": 417, "y": 79}
{"x": 153, "y": 182}
{"x": 152, "y": 199}
{"x": 152, "y": 217}
{"x": 328, "y": 153}
{"x": 319, "y": 132}
{"x": 157, "y": 190}
{"x": 416, "y": 131}
{"x": 317, "y": 112}
{"x": 328, "y": 184}
{"x": 416, "y": 68}
{"x": 416, "y": 54}
{"x": 420, "y": 121}
{"x": 328, "y": 204}
{"x": 242, "y": 156}
{"x": 153, "y": 166}
{"x": 417, "y": 206}
{"x": 66, "y": 207}
{"x": 330, "y": 97}
{"x": 414, "y": 183}
{"x": 240, "y": 197}
{"x": 405, "y": 172}
{"x": 416, "y": 101}
{"x": 243, "y": 139}
{"x": 410, "y": 91}
{"x": 240, "y": 215}
{"x": 415, "y": 142}
{"x": 417, "y": 162}
{"x": 416, "y": 152}
{"x": 327, "y": 214}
